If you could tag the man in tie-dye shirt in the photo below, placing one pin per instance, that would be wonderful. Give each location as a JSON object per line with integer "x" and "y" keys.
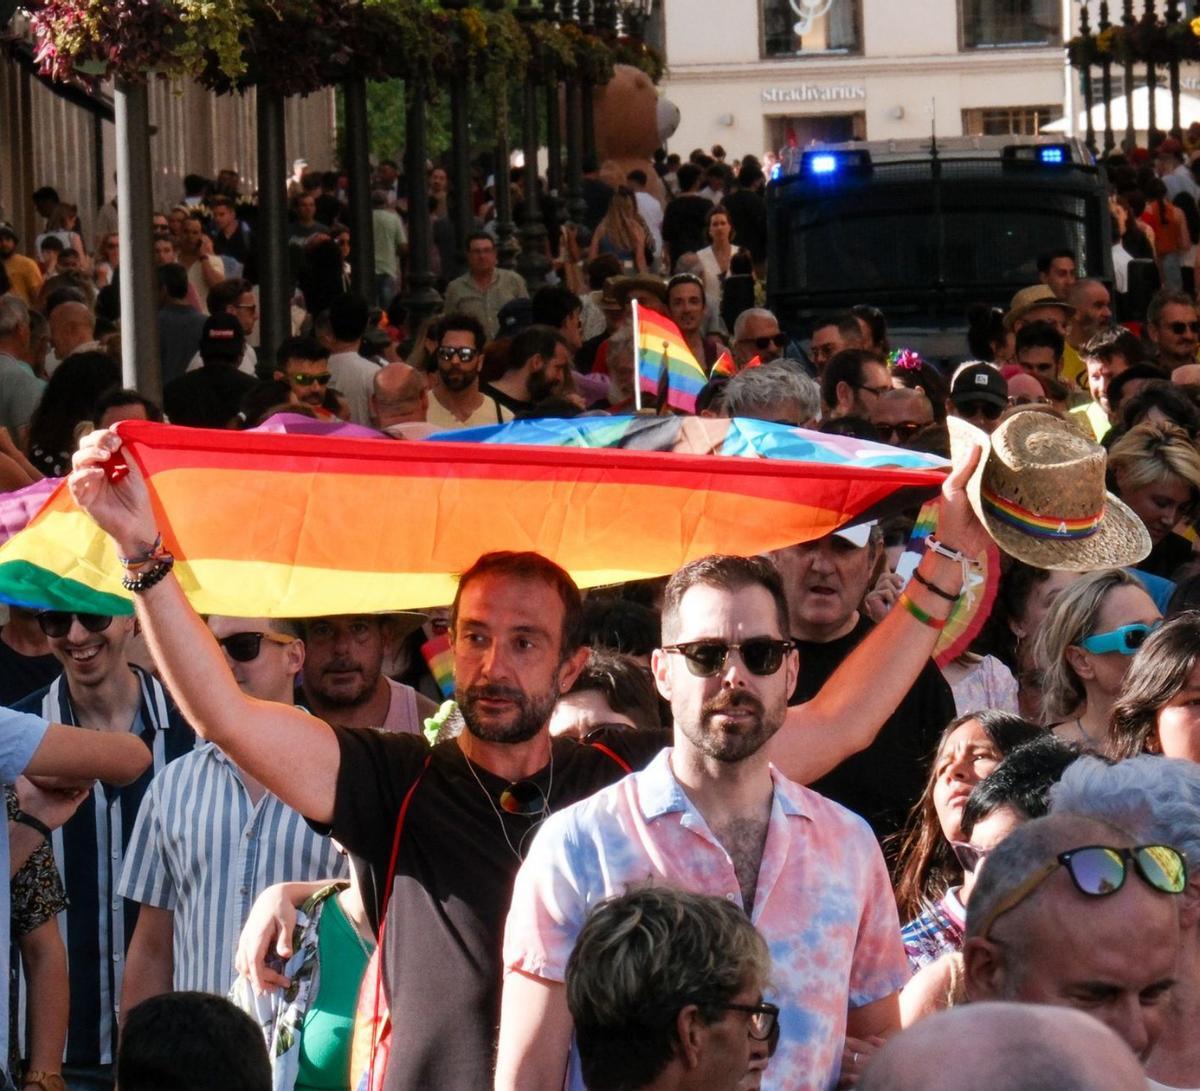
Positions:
{"x": 711, "y": 815}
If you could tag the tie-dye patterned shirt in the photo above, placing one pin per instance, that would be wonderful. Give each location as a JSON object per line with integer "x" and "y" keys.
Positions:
{"x": 824, "y": 903}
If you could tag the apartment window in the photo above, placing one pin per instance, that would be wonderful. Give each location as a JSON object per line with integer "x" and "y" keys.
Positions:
{"x": 1009, "y": 120}
{"x": 801, "y": 28}
{"x": 988, "y": 24}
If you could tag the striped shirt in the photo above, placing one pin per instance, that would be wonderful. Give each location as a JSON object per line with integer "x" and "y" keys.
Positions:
{"x": 204, "y": 850}
{"x": 89, "y": 850}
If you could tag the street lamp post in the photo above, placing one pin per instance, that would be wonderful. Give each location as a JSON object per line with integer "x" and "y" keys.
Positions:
{"x": 532, "y": 262}
{"x": 573, "y": 122}
{"x": 554, "y": 136}
{"x": 1085, "y": 29}
{"x": 587, "y": 115}
{"x": 460, "y": 156}
{"x": 1106, "y": 82}
{"x": 1173, "y": 72}
{"x": 1151, "y": 81}
{"x": 1127, "y": 21}
{"x": 422, "y": 298}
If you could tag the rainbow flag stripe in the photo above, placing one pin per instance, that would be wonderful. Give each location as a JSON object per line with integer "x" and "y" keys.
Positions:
{"x": 302, "y": 525}
{"x": 1040, "y": 526}
{"x": 439, "y": 657}
{"x": 724, "y": 368}
{"x": 660, "y": 346}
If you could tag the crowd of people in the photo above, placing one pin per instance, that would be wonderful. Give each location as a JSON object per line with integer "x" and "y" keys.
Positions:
{"x": 732, "y": 828}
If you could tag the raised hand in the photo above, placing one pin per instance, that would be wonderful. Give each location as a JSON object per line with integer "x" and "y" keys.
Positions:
{"x": 120, "y": 508}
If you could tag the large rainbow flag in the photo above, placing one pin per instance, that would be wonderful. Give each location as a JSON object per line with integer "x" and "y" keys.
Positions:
{"x": 302, "y": 525}
{"x": 661, "y": 355}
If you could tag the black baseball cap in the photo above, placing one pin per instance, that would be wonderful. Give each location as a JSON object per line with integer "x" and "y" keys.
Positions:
{"x": 222, "y": 338}
{"x": 979, "y": 383}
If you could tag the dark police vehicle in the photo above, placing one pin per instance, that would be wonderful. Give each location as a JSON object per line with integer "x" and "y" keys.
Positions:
{"x": 923, "y": 229}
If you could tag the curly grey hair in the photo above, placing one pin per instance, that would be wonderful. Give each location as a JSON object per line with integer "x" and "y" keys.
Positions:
{"x": 769, "y": 392}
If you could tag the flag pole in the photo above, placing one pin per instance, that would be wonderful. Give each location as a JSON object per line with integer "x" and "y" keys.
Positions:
{"x": 664, "y": 383}
{"x": 637, "y": 359}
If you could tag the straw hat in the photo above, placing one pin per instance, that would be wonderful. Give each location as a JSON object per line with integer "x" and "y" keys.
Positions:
{"x": 1030, "y": 299}
{"x": 1039, "y": 492}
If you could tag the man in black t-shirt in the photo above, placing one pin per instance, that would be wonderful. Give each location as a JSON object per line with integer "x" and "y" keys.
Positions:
{"x": 468, "y": 807}
{"x": 826, "y": 582}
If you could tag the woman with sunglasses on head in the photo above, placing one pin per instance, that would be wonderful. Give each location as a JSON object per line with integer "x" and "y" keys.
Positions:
{"x": 1158, "y": 801}
{"x": 1158, "y": 710}
{"x": 1155, "y": 469}
{"x": 929, "y": 878}
{"x": 1084, "y": 650}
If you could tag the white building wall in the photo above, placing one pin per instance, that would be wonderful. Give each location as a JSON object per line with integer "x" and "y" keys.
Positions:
{"x": 910, "y": 71}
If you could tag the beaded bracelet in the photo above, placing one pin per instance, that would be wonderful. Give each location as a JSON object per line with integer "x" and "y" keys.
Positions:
{"x": 143, "y": 581}
{"x": 931, "y": 586}
{"x": 916, "y": 611}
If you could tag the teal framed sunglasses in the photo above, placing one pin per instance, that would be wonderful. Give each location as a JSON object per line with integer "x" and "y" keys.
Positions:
{"x": 1125, "y": 641}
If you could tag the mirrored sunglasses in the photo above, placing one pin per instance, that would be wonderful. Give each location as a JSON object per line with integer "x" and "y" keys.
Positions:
{"x": 465, "y": 353}
{"x": 320, "y": 379}
{"x": 1101, "y": 870}
{"x": 706, "y": 658}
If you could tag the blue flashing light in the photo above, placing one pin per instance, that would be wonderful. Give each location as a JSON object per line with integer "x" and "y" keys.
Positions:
{"x": 1053, "y": 155}
{"x": 776, "y": 172}
{"x": 823, "y": 164}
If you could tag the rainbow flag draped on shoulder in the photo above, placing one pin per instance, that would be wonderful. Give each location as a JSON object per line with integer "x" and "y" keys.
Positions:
{"x": 303, "y": 525}
{"x": 661, "y": 355}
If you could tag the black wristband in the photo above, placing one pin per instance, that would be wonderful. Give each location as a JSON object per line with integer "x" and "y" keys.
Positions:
{"x": 33, "y": 823}
{"x": 928, "y": 585}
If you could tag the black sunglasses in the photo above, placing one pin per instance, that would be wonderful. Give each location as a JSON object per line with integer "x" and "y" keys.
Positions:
{"x": 244, "y": 647}
{"x": 988, "y": 410}
{"x": 465, "y": 353}
{"x": 903, "y": 431}
{"x": 1180, "y": 328}
{"x": 764, "y": 1021}
{"x": 706, "y": 658}
{"x": 57, "y": 623}
{"x": 778, "y": 340}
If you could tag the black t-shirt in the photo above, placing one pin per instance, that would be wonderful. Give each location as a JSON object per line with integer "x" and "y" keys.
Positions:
{"x": 452, "y": 886}
{"x": 209, "y": 397}
{"x": 884, "y": 781}
{"x": 684, "y": 224}
{"x": 513, "y": 405}
{"x": 1168, "y": 556}
{"x": 21, "y": 675}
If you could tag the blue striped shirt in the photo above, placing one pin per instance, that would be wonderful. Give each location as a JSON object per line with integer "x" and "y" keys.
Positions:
{"x": 89, "y": 849}
{"x": 204, "y": 850}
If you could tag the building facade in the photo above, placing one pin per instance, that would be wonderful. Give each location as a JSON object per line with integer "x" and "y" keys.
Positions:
{"x": 757, "y": 75}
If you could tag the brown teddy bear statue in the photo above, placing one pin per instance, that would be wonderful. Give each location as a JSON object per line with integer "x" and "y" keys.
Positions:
{"x": 631, "y": 121}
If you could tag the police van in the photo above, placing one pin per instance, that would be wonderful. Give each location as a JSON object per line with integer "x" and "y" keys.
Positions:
{"x": 922, "y": 229}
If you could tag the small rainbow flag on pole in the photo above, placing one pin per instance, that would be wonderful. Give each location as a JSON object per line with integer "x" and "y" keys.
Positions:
{"x": 661, "y": 356}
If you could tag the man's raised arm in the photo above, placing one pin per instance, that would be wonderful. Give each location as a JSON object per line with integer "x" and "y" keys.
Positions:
{"x": 293, "y": 754}
{"x": 846, "y": 715}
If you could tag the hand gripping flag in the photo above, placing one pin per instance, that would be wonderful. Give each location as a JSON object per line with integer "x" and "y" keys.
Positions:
{"x": 665, "y": 365}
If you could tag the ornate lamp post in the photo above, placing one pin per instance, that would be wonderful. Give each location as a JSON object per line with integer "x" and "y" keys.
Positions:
{"x": 1085, "y": 29}
{"x": 1106, "y": 82}
{"x": 573, "y": 109}
{"x": 1130, "y": 141}
{"x": 554, "y": 140}
{"x": 506, "y": 243}
{"x": 460, "y": 157}
{"x": 1151, "y": 79}
{"x": 1173, "y": 72}
{"x": 422, "y": 298}
{"x": 588, "y": 23}
{"x": 532, "y": 262}
{"x": 358, "y": 166}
